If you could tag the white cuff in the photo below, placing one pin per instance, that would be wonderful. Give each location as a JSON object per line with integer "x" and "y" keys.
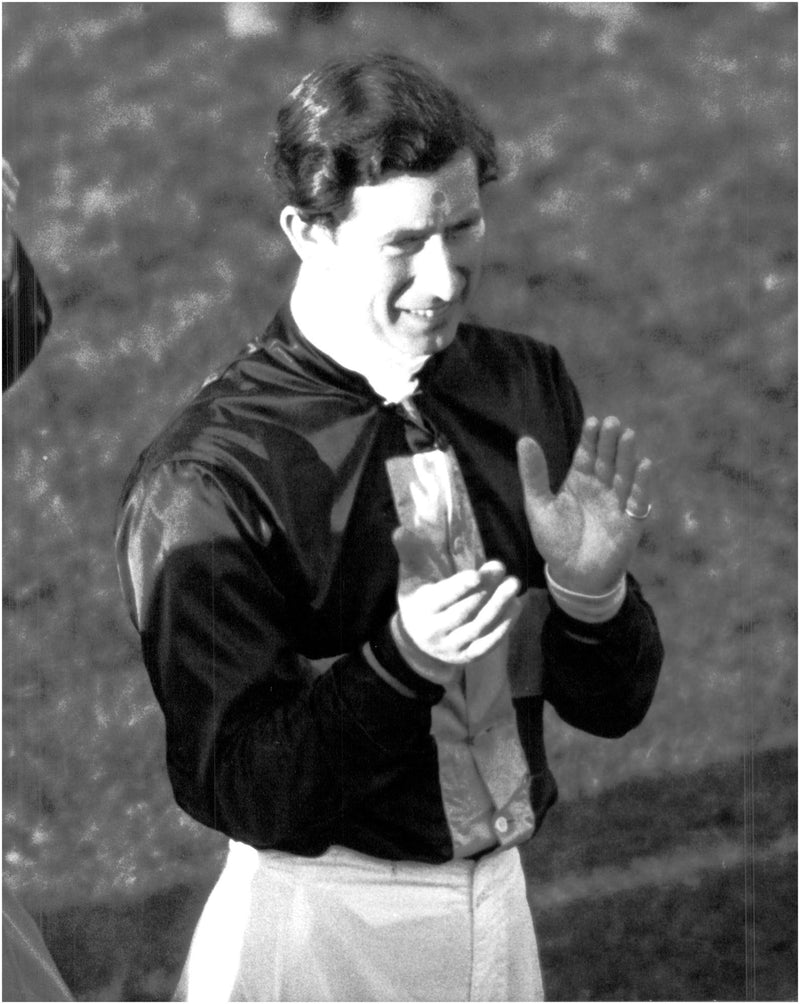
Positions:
{"x": 584, "y": 607}
{"x": 384, "y": 674}
{"x": 426, "y": 666}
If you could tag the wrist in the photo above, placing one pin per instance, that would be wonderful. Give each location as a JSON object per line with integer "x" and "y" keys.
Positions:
{"x": 395, "y": 668}
{"x": 590, "y": 606}
{"x": 427, "y": 666}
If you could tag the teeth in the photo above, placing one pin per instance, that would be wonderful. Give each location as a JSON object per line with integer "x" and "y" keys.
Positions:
{"x": 423, "y": 313}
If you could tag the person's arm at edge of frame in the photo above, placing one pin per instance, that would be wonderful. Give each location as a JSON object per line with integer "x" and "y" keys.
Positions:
{"x": 26, "y": 312}
{"x": 26, "y": 317}
{"x": 253, "y": 748}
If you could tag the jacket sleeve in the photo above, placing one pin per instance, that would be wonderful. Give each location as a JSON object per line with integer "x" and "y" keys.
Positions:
{"x": 601, "y": 677}
{"x": 26, "y": 317}
{"x": 257, "y": 746}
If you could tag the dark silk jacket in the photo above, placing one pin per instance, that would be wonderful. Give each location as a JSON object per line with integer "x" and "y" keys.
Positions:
{"x": 254, "y": 540}
{"x": 26, "y": 317}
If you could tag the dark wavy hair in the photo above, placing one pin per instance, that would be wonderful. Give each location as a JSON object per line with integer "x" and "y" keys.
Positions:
{"x": 355, "y": 119}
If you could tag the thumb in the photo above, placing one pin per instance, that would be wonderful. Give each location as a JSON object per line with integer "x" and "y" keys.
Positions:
{"x": 533, "y": 471}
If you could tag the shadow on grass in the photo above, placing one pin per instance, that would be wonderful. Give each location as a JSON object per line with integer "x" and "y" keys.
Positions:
{"x": 718, "y": 922}
{"x": 681, "y": 942}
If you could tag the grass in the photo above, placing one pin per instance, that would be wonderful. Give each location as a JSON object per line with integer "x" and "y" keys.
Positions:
{"x": 606, "y": 931}
{"x": 646, "y": 226}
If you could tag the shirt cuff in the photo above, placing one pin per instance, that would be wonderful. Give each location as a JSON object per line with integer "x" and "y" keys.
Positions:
{"x": 585, "y": 607}
{"x": 402, "y": 676}
{"x": 430, "y": 669}
{"x": 372, "y": 662}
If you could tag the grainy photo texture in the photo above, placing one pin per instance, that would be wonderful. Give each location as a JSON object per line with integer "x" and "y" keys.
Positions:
{"x": 362, "y": 285}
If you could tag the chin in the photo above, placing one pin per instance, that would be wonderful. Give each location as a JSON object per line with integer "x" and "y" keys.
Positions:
{"x": 431, "y": 341}
{"x": 440, "y": 340}
{"x": 447, "y": 335}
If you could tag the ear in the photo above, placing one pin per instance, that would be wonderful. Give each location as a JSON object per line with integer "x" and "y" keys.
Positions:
{"x": 309, "y": 239}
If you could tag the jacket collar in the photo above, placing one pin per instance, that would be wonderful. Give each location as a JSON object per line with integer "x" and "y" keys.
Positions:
{"x": 288, "y": 347}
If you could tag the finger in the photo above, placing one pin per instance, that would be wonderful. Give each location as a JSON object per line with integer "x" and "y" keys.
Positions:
{"x": 483, "y": 645}
{"x": 464, "y": 607}
{"x": 626, "y": 466}
{"x": 586, "y": 453}
{"x": 457, "y": 599}
{"x": 497, "y": 608}
{"x": 533, "y": 471}
{"x": 606, "y": 461}
{"x": 461, "y": 612}
{"x": 491, "y": 575}
{"x": 441, "y": 595}
{"x": 638, "y": 499}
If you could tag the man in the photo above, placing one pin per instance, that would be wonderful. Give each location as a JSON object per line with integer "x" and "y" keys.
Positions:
{"x": 355, "y": 588}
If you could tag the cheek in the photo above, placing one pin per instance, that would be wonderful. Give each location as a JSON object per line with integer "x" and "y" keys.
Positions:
{"x": 371, "y": 282}
{"x": 473, "y": 252}
{"x": 389, "y": 281}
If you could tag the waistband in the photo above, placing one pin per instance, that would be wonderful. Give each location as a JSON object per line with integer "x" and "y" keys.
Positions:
{"x": 344, "y": 865}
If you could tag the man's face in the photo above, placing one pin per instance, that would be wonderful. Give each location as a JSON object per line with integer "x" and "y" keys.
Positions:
{"x": 408, "y": 255}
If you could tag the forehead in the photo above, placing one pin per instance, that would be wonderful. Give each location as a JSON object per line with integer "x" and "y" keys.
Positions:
{"x": 411, "y": 201}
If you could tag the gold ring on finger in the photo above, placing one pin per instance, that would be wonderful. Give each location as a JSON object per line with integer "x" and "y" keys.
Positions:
{"x": 638, "y": 515}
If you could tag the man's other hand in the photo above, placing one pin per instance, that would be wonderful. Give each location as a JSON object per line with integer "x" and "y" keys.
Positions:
{"x": 454, "y": 620}
{"x": 10, "y": 192}
{"x": 587, "y": 533}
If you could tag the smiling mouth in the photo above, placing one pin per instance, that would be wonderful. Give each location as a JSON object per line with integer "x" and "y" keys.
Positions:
{"x": 428, "y": 313}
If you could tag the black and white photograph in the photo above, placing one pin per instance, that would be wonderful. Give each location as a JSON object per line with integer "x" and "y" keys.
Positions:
{"x": 399, "y": 505}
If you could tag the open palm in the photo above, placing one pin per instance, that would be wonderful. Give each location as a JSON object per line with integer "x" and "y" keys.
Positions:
{"x": 587, "y": 533}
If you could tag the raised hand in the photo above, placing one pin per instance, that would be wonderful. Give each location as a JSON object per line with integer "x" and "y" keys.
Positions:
{"x": 587, "y": 533}
{"x": 447, "y": 622}
{"x": 10, "y": 191}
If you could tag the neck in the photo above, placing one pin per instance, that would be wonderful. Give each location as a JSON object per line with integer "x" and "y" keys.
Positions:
{"x": 323, "y": 319}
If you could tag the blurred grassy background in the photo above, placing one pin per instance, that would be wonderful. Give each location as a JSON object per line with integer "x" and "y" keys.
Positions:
{"x": 646, "y": 225}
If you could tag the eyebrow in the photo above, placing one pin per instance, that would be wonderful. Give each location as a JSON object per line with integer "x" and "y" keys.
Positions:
{"x": 407, "y": 233}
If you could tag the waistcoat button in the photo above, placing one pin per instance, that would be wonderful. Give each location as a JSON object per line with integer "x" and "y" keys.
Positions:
{"x": 501, "y": 824}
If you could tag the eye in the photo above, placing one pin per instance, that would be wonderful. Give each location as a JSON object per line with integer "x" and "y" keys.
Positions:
{"x": 405, "y": 245}
{"x": 466, "y": 228}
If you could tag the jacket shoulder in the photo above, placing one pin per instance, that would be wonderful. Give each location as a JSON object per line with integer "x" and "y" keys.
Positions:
{"x": 519, "y": 373}
{"x": 509, "y": 347}
{"x": 198, "y": 432}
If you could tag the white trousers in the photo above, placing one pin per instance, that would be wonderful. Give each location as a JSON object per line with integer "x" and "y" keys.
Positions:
{"x": 348, "y": 927}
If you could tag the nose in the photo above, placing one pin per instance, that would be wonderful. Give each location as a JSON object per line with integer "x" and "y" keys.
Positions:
{"x": 436, "y": 273}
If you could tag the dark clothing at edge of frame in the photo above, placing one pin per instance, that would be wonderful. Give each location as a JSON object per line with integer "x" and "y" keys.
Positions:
{"x": 26, "y": 318}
